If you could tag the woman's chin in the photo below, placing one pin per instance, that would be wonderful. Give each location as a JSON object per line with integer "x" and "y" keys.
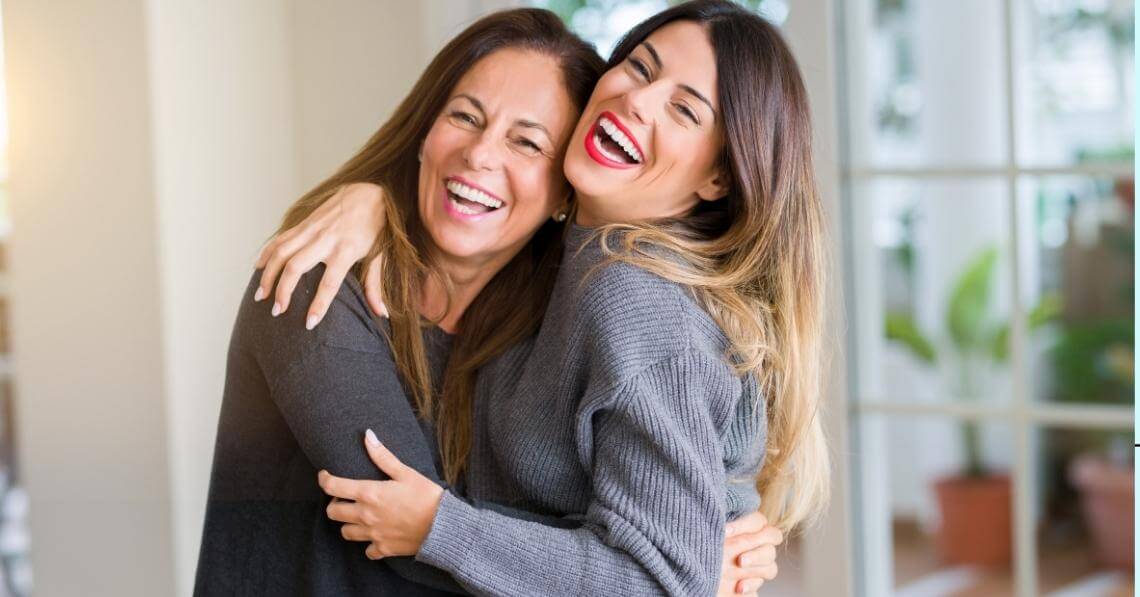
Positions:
{"x": 461, "y": 248}
{"x": 586, "y": 180}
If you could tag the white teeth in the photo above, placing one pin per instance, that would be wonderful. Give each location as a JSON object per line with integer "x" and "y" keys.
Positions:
{"x": 620, "y": 138}
{"x": 473, "y": 194}
{"x": 461, "y": 208}
{"x": 606, "y": 152}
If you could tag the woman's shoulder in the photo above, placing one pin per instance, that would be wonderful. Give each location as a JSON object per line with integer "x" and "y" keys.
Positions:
{"x": 348, "y": 323}
{"x": 621, "y": 298}
{"x": 633, "y": 320}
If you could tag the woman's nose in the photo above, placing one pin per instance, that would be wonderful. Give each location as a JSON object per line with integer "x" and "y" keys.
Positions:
{"x": 481, "y": 154}
{"x": 639, "y": 102}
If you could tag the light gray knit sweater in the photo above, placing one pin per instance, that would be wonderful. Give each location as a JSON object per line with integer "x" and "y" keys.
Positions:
{"x": 622, "y": 413}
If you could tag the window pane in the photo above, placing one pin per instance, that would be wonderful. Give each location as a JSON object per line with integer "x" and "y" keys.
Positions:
{"x": 932, "y": 285}
{"x": 926, "y": 83}
{"x": 1077, "y": 283}
{"x": 1075, "y": 80}
{"x": 1085, "y": 541}
{"x": 929, "y": 527}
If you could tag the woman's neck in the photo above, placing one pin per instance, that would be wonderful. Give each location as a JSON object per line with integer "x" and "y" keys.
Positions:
{"x": 582, "y": 214}
{"x": 591, "y": 212}
{"x": 584, "y": 218}
{"x": 468, "y": 278}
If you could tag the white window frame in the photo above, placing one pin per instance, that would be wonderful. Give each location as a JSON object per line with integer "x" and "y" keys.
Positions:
{"x": 1024, "y": 415}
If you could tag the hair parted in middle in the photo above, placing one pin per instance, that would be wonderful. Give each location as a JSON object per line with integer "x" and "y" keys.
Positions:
{"x": 511, "y": 306}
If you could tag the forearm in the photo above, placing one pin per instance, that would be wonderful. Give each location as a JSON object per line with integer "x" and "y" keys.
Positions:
{"x": 493, "y": 554}
{"x": 654, "y": 525}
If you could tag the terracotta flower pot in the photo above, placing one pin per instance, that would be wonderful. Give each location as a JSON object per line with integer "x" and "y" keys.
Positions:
{"x": 976, "y": 520}
{"x": 1106, "y": 503}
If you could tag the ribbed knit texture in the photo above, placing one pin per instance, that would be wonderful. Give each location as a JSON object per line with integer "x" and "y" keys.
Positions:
{"x": 622, "y": 413}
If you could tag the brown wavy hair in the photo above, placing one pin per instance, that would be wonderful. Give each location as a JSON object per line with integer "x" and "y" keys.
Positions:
{"x": 755, "y": 259}
{"x": 511, "y": 306}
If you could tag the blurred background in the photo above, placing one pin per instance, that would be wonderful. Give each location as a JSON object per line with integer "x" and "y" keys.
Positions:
{"x": 976, "y": 159}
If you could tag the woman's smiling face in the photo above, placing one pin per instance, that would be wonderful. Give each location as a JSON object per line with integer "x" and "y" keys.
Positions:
{"x": 648, "y": 142}
{"x": 489, "y": 174}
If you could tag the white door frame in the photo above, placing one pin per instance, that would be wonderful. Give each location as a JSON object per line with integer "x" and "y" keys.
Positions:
{"x": 812, "y": 30}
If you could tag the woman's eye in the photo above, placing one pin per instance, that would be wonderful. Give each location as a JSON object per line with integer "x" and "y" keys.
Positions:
{"x": 464, "y": 117}
{"x": 528, "y": 146}
{"x": 687, "y": 113}
{"x": 640, "y": 67}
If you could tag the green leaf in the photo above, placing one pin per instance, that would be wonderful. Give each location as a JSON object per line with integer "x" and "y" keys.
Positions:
{"x": 901, "y": 328}
{"x": 969, "y": 302}
{"x": 1046, "y": 310}
{"x": 1080, "y": 359}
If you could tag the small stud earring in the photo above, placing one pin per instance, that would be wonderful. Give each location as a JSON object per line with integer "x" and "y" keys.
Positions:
{"x": 560, "y": 216}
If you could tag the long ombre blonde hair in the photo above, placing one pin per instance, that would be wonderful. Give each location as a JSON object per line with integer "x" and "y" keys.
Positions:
{"x": 511, "y": 306}
{"x": 755, "y": 259}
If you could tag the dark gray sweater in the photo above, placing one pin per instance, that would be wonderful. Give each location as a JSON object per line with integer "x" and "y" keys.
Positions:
{"x": 622, "y": 414}
{"x": 297, "y": 401}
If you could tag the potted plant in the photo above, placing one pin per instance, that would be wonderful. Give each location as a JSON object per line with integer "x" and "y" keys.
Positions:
{"x": 1092, "y": 362}
{"x": 975, "y": 503}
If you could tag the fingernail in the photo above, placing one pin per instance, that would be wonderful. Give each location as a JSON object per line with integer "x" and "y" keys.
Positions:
{"x": 276, "y": 309}
{"x": 310, "y": 322}
{"x": 728, "y": 529}
{"x": 747, "y": 561}
{"x": 371, "y": 439}
{"x": 260, "y": 294}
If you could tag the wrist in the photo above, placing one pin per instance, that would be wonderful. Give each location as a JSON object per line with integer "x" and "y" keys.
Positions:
{"x": 367, "y": 199}
{"x": 435, "y": 513}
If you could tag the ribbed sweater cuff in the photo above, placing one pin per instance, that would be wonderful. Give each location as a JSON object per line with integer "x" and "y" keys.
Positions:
{"x": 455, "y": 529}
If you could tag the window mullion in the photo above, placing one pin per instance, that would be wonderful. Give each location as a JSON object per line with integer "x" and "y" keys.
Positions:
{"x": 1024, "y": 485}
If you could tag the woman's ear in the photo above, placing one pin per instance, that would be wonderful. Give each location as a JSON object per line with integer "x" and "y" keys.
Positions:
{"x": 565, "y": 209}
{"x": 715, "y": 188}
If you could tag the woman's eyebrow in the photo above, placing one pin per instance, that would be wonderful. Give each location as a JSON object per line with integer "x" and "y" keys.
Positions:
{"x": 530, "y": 124}
{"x": 688, "y": 88}
{"x": 653, "y": 54}
{"x": 698, "y": 95}
{"x": 478, "y": 104}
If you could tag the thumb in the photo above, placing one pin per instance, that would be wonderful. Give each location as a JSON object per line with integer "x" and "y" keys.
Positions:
{"x": 383, "y": 458}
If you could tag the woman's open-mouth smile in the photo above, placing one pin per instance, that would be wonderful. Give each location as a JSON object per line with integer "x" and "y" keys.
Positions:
{"x": 466, "y": 200}
{"x": 611, "y": 144}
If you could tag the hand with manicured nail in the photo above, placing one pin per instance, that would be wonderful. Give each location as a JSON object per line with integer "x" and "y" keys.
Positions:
{"x": 393, "y": 516}
{"x": 339, "y": 233}
{"x": 749, "y": 555}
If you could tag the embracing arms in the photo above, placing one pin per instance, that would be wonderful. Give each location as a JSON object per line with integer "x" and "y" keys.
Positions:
{"x": 340, "y": 233}
{"x": 653, "y": 524}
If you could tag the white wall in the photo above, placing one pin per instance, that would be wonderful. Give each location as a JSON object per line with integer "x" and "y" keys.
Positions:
{"x": 354, "y": 60}
{"x": 91, "y": 414}
{"x": 222, "y": 108}
{"x": 155, "y": 145}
